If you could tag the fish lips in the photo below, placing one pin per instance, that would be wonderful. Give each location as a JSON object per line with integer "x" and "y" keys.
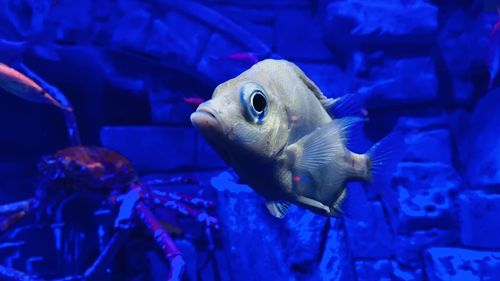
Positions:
{"x": 205, "y": 118}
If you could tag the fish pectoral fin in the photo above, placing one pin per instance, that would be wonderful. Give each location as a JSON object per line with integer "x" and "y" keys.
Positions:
{"x": 277, "y": 208}
{"x": 313, "y": 204}
{"x": 317, "y": 148}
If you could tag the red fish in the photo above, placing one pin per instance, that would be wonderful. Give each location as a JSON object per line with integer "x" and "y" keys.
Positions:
{"x": 249, "y": 58}
{"x": 493, "y": 60}
{"x": 194, "y": 101}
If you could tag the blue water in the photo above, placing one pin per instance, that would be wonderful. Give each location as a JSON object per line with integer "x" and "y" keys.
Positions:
{"x": 133, "y": 72}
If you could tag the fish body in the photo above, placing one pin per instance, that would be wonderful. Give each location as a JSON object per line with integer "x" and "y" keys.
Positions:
{"x": 17, "y": 83}
{"x": 281, "y": 135}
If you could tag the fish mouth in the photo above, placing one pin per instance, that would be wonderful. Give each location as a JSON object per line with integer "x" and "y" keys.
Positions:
{"x": 204, "y": 118}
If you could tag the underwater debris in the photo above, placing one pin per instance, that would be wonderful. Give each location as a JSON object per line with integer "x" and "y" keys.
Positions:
{"x": 283, "y": 137}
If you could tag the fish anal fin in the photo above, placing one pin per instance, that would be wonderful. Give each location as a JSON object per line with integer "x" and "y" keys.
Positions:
{"x": 277, "y": 208}
{"x": 352, "y": 203}
{"x": 314, "y": 204}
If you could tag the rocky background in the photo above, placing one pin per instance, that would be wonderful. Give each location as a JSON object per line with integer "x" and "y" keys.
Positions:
{"x": 128, "y": 67}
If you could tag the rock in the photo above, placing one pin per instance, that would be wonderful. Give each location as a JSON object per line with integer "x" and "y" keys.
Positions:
{"x": 71, "y": 20}
{"x": 363, "y": 233}
{"x": 409, "y": 248}
{"x": 177, "y": 38}
{"x": 423, "y": 209}
{"x": 214, "y": 63}
{"x": 285, "y": 249}
{"x": 254, "y": 240}
{"x": 422, "y": 123}
{"x": 332, "y": 81}
{"x": 478, "y": 144}
{"x": 403, "y": 273}
{"x": 459, "y": 29}
{"x": 160, "y": 148}
{"x": 258, "y": 21}
{"x": 428, "y": 146}
{"x": 305, "y": 237}
{"x": 335, "y": 264}
{"x": 390, "y": 82}
{"x": 303, "y": 31}
{"x": 426, "y": 195}
{"x": 374, "y": 270}
{"x": 381, "y": 22}
{"x": 461, "y": 264}
{"x": 168, "y": 107}
{"x": 477, "y": 212}
{"x": 424, "y": 176}
{"x": 132, "y": 30}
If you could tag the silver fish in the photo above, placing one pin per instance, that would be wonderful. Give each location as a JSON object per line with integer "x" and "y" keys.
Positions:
{"x": 284, "y": 138}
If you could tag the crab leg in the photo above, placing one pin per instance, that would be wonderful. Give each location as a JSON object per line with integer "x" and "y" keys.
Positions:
{"x": 183, "y": 208}
{"x": 163, "y": 240}
{"x": 24, "y": 205}
{"x": 15, "y": 212}
{"x": 106, "y": 257}
{"x": 10, "y": 274}
{"x": 192, "y": 200}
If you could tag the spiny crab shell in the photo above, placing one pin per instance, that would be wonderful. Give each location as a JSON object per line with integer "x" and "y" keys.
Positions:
{"x": 86, "y": 168}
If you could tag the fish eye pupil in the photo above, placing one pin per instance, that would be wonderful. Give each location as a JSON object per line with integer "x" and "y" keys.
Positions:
{"x": 259, "y": 102}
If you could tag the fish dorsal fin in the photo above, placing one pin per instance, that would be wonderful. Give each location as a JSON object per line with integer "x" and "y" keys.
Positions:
{"x": 347, "y": 105}
{"x": 277, "y": 208}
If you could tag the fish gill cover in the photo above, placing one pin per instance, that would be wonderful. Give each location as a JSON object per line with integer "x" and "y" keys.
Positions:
{"x": 103, "y": 177}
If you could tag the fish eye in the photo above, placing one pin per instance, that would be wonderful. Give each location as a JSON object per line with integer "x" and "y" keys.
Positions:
{"x": 254, "y": 101}
{"x": 258, "y": 101}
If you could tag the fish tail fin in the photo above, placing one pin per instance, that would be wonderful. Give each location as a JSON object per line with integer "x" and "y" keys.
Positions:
{"x": 383, "y": 158}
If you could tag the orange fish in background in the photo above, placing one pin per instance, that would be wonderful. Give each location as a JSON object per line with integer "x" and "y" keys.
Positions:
{"x": 16, "y": 83}
{"x": 493, "y": 60}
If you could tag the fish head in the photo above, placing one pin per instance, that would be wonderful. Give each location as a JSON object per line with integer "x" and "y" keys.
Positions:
{"x": 244, "y": 120}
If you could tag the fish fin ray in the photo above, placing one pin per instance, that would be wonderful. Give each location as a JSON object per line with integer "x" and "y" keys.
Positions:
{"x": 277, "y": 209}
{"x": 352, "y": 131}
{"x": 319, "y": 147}
{"x": 384, "y": 157}
{"x": 346, "y": 105}
{"x": 315, "y": 204}
{"x": 352, "y": 203}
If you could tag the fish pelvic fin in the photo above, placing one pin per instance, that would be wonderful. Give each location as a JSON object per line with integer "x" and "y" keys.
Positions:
{"x": 384, "y": 157}
{"x": 277, "y": 209}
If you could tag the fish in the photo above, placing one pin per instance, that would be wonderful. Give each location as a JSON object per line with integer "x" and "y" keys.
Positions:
{"x": 195, "y": 101}
{"x": 493, "y": 60}
{"x": 290, "y": 143}
{"x": 249, "y": 58}
{"x": 16, "y": 83}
